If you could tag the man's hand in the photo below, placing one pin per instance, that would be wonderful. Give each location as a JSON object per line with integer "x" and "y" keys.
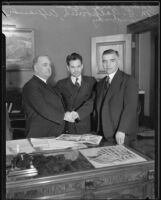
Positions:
{"x": 68, "y": 117}
{"x": 71, "y": 116}
{"x": 120, "y": 137}
{"x": 75, "y": 115}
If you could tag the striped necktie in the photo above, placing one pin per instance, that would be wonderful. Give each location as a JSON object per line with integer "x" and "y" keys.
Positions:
{"x": 77, "y": 83}
{"x": 106, "y": 85}
{"x": 107, "y": 81}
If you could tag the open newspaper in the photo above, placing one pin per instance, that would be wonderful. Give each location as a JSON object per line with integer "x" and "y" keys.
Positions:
{"x": 111, "y": 156}
{"x": 53, "y": 144}
{"x": 84, "y": 138}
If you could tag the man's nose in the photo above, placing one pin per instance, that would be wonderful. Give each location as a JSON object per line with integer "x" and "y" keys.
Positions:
{"x": 49, "y": 68}
{"x": 107, "y": 64}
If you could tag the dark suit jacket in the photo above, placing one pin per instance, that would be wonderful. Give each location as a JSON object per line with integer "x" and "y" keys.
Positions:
{"x": 119, "y": 110}
{"x": 80, "y": 100}
{"x": 43, "y": 108}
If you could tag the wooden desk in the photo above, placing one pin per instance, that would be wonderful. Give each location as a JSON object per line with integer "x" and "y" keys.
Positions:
{"x": 130, "y": 181}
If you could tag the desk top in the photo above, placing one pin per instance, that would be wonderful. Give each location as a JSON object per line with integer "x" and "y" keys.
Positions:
{"x": 69, "y": 175}
{"x": 38, "y": 165}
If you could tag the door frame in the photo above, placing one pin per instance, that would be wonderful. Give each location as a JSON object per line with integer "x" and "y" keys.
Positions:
{"x": 149, "y": 24}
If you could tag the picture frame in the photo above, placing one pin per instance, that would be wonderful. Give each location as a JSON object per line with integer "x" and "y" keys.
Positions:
{"x": 121, "y": 43}
{"x": 20, "y": 49}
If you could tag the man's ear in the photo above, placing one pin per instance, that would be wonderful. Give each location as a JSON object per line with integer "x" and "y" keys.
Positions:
{"x": 119, "y": 62}
{"x": 35, "y": 67}
{"x": 67, "y": 67}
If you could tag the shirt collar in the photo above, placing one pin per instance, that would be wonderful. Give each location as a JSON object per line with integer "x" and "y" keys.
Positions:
{"x": 44, "y": 80}
{"x": 74, "y": 79}
{"x": 111, "y": 76}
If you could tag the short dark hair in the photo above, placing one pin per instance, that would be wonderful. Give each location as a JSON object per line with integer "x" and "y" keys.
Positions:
{"x": 74, "y": 56}
{"x": 111, "y": 51}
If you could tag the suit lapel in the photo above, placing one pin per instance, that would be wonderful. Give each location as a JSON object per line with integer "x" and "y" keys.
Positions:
{"x": 115, "y": 85}
{"x": 82, "y": 87}
{"x": 73, "y": 91}
{"x": 71, "y": 86}
{"x": 40, "y": 81}
{"x": 100, "y": 91}
{"x": 48, "y": 87}
{"x": 79, "y": 92}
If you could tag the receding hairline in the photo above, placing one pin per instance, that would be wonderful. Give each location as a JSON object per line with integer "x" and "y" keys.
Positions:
{"x": 110, "y": 51}
{"x": 35, "y": 60}
{"x": 42, "y": 56}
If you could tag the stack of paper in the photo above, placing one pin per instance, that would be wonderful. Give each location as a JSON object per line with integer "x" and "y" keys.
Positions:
{"x": 84, "y": 138}
{"x": 53, "y": 144}
{"x": 18, "y": 146}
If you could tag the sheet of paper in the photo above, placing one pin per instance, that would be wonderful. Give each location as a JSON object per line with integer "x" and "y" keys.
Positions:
{"x": 89, "y": 138}
{"x": 84, "y": 138}
{"x": 52, "y": 143}
{"x": 69, "y": 137}
{"x": 111, "y": 156}
{"x": 18, "y": 146}
{"x": 39, "y": 142}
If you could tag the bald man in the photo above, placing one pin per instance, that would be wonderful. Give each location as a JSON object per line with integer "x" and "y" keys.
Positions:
{"x": 42, "y": 105}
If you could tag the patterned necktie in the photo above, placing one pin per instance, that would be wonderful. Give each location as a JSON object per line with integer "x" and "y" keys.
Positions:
{"x": 107, "y": 81}
{"x": 77, "y": 83}
{"x": 106, "y": 85}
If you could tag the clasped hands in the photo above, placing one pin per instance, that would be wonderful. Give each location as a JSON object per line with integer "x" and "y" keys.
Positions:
{"x": 71, "y": 116}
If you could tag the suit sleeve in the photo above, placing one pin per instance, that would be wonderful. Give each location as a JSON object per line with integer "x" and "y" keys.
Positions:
{"x": 129, "y": 119}
{"x": 58, "y": 88}
{"x": 48, "y": 106}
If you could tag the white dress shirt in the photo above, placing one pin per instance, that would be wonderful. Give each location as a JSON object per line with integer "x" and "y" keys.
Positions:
{"x": 111, "y": 76}
{"x": 74, "y": 79}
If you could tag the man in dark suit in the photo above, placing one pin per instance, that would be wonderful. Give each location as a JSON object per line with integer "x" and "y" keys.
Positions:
{"x": 116, "y": 103}
{"x": 42, "y": 105}
{"x": 77, "y": 93}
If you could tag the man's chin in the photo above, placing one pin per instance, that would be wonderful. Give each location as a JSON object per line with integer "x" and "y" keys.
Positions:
{"x": 77, "y": 75}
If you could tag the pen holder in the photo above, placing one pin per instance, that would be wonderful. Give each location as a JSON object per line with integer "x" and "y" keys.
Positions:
{"x": 22, "y": 161}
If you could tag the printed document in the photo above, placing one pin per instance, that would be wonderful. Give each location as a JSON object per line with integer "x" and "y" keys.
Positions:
{"x": 84, "y": 138}
{"x": 111, "y": 156}
{"x": 53, "y": 144}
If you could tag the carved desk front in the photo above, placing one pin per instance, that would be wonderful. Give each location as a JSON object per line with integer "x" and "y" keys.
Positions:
{"x": 80, "y": 180}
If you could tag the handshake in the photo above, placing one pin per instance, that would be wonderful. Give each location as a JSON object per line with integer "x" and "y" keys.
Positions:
{"x": 71, "y": 116}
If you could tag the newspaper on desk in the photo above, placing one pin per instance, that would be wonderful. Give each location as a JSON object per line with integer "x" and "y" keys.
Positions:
{"x": 84, "y": 138}
{"x": 14, "y": 147}
{"x": 53, "y": 144}
{"x": 111, "y": 156}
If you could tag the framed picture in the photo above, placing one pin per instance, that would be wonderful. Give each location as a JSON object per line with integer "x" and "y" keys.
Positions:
{"x": 120, "y": 43}
{"x": 19, "y": 49}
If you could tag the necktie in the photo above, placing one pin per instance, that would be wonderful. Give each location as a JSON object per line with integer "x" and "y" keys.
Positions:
{"x": 77, "y": 83}
{"x": 106, "y": 85}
